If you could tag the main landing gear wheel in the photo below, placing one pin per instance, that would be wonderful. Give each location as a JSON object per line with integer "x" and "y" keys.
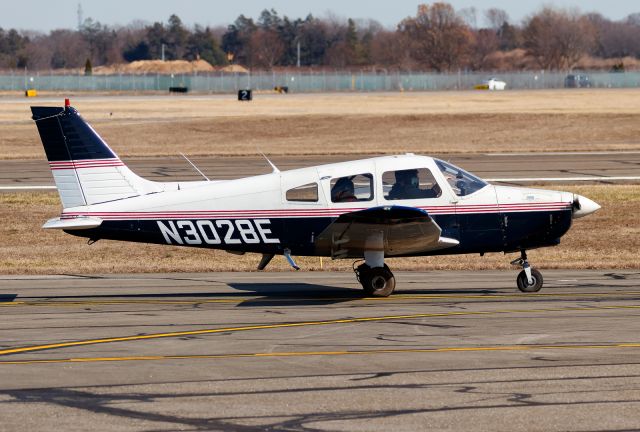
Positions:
{"x": 529, "y": 280}
{"x": 525, "y": 286}
{"x": 377, "y": 281}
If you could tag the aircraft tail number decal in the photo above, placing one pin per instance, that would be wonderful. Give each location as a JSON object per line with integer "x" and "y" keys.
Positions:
{"x": 219, "y": 231}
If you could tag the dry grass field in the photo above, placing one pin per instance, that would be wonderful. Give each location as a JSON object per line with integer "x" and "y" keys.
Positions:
{"x": 433, "y": 122}
{"x": 608, "y": 239}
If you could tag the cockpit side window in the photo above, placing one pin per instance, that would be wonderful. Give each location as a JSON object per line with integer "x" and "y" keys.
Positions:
{"x": 358, "y": 187}
{"x": 462, "y": 183}
{"x": 417, "y": 183}
{"x": 304, "y": 193}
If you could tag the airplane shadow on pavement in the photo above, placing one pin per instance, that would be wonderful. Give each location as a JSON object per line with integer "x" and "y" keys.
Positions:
{"x": 305, "y": 293}
{"x": 280, "y": 294}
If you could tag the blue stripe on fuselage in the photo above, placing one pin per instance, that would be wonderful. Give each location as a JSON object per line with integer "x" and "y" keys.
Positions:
{"x": 477, "y": 233}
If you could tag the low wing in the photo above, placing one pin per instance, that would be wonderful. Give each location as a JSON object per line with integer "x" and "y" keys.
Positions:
{"x": 405, "y": 230}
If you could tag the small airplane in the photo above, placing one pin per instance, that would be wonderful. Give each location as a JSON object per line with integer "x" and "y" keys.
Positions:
{"x": 370, "y": 209}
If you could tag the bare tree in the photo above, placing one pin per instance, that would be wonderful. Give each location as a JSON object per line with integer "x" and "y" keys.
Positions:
{"x": 557, "y": 39}
{"x": 439, "y": 38}
{"x": 266, "y": 48}
{"x": 388, "y": 49}
{"x": 68, "y": 49}
{"x": 633, "y": 19}
{"x": 366, "y": 32}
{"x": 339, "y": 55}
{"x": 470, "y": 16}
{"x": 485, "y": 43}
{"x": 495, "y": 18}
{"x": 615, "y": 39}
{"x": 37, "y": 52}
{"x": 338, "y": 52}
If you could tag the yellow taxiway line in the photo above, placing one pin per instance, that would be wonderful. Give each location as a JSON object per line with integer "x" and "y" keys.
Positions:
{"x": 324, "y": 353}
{"x": 32, "y": 348}
{"x": 396, "y": 297}
{"x": 69, "y": 303}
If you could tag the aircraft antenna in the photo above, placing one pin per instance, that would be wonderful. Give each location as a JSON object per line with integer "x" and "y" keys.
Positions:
{"x": 194, "y": 166}
{"x": 275, "y": 168}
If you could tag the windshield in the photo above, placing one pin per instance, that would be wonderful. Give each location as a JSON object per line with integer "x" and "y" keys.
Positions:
{"x": 462, "y": 182}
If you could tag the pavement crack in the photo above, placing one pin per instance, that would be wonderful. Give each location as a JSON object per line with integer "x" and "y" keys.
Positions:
{"x": 374, "y": 376}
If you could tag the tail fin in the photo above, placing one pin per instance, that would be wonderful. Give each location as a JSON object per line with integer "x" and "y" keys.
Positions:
{"x": 86, "y": 171}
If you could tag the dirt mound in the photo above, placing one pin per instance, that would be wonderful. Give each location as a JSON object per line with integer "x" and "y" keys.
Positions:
{"x": 156, "y": 66}
{"x": 234, "y": 69}
{"x": 595, "y": 63}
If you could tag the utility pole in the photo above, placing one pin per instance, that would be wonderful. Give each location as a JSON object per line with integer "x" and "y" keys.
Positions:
{"x": 80, "y": 16}
{"x": 298, "y": 62}
{"x": 162, "y": 52}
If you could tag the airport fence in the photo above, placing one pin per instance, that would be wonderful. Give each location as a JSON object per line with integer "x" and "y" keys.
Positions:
{"x": 303, "y": 82}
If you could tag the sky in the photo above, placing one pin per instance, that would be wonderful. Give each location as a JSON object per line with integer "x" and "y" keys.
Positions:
{"x": 45, "y": 15}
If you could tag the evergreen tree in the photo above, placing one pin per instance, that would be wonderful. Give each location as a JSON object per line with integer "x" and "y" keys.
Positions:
{"x": 203, "y": 44}
{"x": 176, "y": 37}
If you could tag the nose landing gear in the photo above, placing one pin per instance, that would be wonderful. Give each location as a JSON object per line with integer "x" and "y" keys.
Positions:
{"x": 529, "y": 279}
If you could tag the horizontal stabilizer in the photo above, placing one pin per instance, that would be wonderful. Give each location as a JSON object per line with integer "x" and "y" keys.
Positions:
{"x": 78, "y": 223}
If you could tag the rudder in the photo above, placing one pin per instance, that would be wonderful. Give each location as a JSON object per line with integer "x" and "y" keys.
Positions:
{"x": 86, "y": 171}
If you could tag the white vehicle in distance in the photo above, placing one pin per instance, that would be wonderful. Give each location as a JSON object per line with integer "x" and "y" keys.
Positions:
{"x": 491, "y": 84}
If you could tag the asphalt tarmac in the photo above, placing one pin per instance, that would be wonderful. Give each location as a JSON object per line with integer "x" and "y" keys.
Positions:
{"x": 304, "y": 351}
{"x": 538, "y": 168}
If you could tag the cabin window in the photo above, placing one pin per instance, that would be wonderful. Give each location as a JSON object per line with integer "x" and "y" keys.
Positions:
{"x": 304, "y": 193}
{"x": 352, "y": 188}
{"x": 462, "y": 182}
{"x": 416, "y": 183}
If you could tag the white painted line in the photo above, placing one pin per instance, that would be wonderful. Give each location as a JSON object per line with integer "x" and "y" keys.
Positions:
{"x": 557, "y": 179}
{"x": 37, "y": 277}
{"x": 577, "y": 153}
{"x": 36, "y": 187}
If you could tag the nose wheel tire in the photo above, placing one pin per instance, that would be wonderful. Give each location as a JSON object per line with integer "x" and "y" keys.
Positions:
{"x": 523, "y": 283}
{"x": 377, "y": 281}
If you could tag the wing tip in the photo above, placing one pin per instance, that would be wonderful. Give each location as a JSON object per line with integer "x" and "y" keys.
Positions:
{"x": 447, "y": 242}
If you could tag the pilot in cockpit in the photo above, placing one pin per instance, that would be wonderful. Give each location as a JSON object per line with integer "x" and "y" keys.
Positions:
{"x": 343, "y": 191}
{"x": 407, "y": 186}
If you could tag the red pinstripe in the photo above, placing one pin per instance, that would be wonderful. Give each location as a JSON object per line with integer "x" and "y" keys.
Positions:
{"x": 86, "y": 163}
{"x": 278, "y": 213}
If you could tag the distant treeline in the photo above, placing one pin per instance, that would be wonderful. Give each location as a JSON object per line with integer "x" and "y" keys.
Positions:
{"x": 438, "y": 38}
